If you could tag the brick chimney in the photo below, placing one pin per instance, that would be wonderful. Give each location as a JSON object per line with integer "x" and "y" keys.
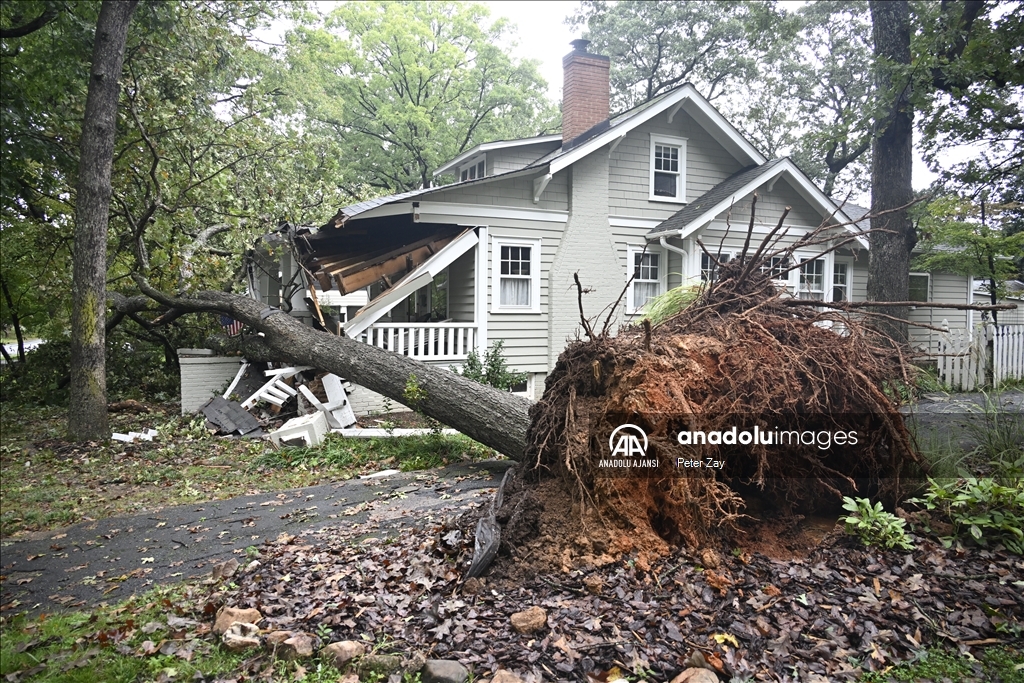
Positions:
{"x": 584, "y": 90}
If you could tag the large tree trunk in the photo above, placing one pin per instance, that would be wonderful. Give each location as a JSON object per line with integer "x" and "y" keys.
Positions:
{"x": 893, "y": 236}
{"x": 87, "y": 412}
{"x": 494, "y": 418}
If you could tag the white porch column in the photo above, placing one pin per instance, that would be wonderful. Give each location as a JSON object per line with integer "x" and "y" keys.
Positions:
{"x": 480, "y": 293}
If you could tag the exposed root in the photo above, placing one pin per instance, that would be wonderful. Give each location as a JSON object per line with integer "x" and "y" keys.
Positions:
{"x": 738, "y": 356}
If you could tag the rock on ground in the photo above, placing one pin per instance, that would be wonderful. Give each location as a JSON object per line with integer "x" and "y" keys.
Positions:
{"x": 229, "y": 615}
{"x": 299, "y": 646}
{"x": 444, "y": 671}
{"x": 530, "y": 620}
{"x": 341, "y": 653}
{"x": 241, "y": 636}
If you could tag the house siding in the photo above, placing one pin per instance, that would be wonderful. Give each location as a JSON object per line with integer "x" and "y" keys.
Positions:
{"x": 770, "y": 206}
{"x": 512, "y": 192}
{"x": 588, "y": 248}
{"x": 525, "y": 334}
{"x": 460, "y": 287}
{"x": 515, "y": 158}
{"x": 707, "y": 164}
{"x": 942, "y": 288}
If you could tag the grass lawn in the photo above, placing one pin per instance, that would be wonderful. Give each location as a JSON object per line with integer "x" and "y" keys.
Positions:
{"x": 47, "y": 482}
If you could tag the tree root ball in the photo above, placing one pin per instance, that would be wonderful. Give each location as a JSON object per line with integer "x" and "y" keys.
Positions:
{"x": 741, "y": 363}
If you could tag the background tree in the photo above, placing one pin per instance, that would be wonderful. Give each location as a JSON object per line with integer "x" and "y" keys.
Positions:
{"x": 656, "y": 46}
{"x": 970, "y": 238}
{"x": 828, "y": 67}
{"x": 962, "y": 72}
{"x": 893, "y": 236}
{"x": 87, "y": 414}
{"x": 408, "y": 86}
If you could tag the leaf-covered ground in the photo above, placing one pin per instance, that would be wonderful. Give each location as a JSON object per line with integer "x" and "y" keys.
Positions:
{"x": 843, "y": 613}
{"x": 48, "y": 482}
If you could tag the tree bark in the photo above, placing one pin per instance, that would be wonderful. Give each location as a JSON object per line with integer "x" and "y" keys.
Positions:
{"x": 892, "y": 234}
{"x": 87, "y": 412}
{"x": 495, "y": 418}
{"x": 15, "y": 320}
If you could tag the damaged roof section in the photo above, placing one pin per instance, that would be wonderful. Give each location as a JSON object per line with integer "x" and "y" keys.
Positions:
{"x": 375, "y": 251}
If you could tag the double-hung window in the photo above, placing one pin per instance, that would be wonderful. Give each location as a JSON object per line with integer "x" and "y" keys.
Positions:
{"x": 708, "y": 267}
{"x": 648, "y": 274}
{"x": 516, "y": 269}
{"x": 668, "y": 169}
{"x": 812, "y": 279}
{"x": 474, "y": 169}
{"x": 840, "y": 281}
{"x": 777, "y": 268}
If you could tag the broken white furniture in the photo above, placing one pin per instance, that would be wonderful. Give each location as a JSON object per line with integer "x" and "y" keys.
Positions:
{"x": 337, "y": 409}
{"x": 310, "y": 428}
{"x": 130, "y": 437}
{"x": 275, "y": 391}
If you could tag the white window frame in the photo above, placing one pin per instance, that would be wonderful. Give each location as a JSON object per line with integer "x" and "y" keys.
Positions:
{"x": 680, "y": 197}
{"x": 848, "y": 264}
{"x": 928, "y": 290}
{"x": 472, "y": 166}
{"x": 826, "y": 272}
{"x": 699, "y": 256}
{"x": 496, "y": 244}
{"x": 631, "y": 253}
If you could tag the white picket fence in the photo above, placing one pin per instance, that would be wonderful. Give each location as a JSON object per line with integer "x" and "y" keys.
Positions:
{"x": 1007, "y": 352}
{"x": 963, "y": 359}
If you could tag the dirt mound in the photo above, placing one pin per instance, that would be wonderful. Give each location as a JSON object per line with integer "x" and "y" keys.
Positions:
{"x": 746, "y": 391}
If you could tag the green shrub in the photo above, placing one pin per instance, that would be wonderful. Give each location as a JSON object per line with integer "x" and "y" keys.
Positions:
{"x": 493, "y": 371}
{"x": 988, "y": 509}
{"x": 875, "y": 526}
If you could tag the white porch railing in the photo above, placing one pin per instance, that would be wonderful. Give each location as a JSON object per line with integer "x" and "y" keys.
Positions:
{"x": 423, "y": 341}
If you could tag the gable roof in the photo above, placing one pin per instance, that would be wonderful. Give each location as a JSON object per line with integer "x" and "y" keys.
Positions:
{"x": 497, "y": 144}
{"x": 684, "y": 97}
{"x": 703, "y": 210}
{"x": 724, "y": 192}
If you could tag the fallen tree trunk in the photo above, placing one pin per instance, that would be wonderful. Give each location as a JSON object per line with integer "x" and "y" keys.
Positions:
{"x": 495, "y": 418}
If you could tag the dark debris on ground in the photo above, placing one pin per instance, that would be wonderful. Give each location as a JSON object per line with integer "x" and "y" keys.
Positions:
{"x": 842, "y": 611}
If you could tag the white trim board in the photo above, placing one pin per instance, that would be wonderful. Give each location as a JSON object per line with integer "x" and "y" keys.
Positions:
{"x": 800, "y": 183}
{"x": 694, "y": 104}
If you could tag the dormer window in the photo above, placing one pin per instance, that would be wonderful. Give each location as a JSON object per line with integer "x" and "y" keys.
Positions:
{"x": 668, "y": 169}
{"x": 473, "y": 169}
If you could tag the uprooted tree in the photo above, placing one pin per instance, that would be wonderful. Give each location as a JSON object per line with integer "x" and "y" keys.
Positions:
{"x": 744, "y": 354}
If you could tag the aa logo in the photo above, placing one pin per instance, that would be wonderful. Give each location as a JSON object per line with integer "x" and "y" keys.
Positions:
{"x": 632, "y": 441}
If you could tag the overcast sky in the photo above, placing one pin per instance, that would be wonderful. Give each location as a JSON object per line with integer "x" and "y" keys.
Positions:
{"x": 543, "y": 35}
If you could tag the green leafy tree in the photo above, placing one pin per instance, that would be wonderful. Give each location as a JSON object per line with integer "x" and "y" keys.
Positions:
{"x": 656, "y": 46}
{"x": 962, "y": 236}
{"x": 208, "y": 156}
{"x": 410, "y": 85}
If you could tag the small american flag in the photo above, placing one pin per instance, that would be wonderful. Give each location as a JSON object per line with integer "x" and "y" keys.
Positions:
{"x": 232, "y": 327}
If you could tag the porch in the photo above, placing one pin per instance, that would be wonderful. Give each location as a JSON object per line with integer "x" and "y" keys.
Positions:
{"x": 429, "y": 342}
